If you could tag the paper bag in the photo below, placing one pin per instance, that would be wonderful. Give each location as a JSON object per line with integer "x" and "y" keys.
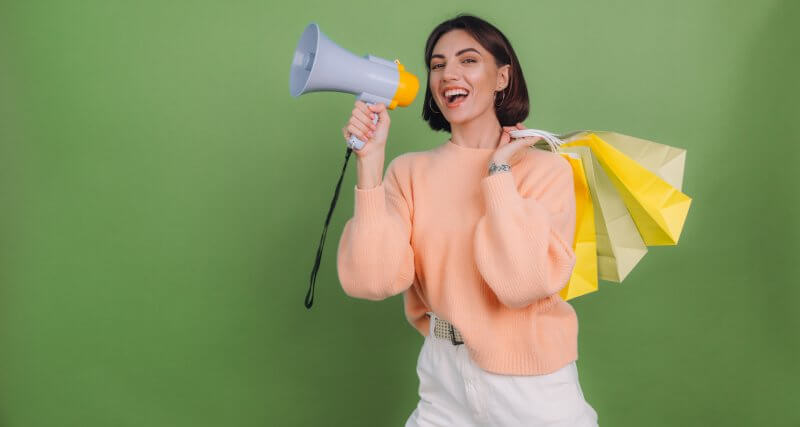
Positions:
{"x": 619, "y": 245}
{"x": 663, "y": 160}
{"x": 584, "y": 274}
{"x": 658, "y": 209}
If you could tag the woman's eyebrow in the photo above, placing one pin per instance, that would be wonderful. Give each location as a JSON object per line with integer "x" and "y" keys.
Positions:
{"x": 459, "y": 53}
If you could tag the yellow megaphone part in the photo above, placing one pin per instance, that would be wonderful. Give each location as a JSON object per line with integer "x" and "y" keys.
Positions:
{"x": 407, "y": 88}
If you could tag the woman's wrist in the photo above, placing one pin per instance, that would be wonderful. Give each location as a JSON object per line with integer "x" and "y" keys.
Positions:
{"x": 370, "y": 171}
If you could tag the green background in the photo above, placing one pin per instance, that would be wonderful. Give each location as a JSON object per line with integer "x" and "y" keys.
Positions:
{"x": 162, "y": 198}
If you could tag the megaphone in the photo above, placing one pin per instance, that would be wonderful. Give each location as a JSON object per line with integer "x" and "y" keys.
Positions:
{"x": 321, "y": 65}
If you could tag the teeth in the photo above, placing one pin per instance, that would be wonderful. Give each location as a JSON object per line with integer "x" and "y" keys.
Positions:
{"x": 452, "y": 92}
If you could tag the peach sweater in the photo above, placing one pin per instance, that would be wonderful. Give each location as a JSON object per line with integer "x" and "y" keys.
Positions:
{"x": 488, "y": 253}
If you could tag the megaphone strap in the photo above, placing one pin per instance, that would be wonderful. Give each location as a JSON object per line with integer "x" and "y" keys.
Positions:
{"x": 310, "y": 294}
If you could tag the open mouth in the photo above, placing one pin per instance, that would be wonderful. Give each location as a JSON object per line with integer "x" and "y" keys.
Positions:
{"x": 456, "y": 99}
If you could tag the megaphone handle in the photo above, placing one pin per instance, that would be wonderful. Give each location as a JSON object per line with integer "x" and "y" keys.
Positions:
{"x": 356, "y": 143}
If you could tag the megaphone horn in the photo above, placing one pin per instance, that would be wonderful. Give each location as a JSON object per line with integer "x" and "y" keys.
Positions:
{"x": 320, "y": 65}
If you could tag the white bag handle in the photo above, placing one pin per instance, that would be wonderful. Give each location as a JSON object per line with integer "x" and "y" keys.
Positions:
{"x": 551, "y": 139}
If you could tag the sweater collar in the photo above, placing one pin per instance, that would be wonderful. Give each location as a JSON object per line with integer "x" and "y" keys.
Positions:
{"x": 451, "y": 146}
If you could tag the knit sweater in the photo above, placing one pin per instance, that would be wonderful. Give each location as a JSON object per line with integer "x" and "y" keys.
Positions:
{"x": 488, "y": 253}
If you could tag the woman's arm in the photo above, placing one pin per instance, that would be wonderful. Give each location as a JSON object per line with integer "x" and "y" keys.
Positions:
{"x": 375, "y": 259}
{"x": 523, "y": 245}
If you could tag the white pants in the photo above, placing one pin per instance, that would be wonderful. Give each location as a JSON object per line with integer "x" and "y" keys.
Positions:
{"x": 454, "y": 391}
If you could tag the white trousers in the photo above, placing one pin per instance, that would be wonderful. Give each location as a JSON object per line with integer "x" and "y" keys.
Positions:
{"x": 454, "y": 391}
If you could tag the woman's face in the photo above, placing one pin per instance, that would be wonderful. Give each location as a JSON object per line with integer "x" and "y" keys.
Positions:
{"x": 459, "y": 61}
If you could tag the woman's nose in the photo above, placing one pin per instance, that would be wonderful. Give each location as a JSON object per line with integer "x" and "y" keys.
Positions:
{"x": 450, "y": 72}
{"x": 449, "y": 76}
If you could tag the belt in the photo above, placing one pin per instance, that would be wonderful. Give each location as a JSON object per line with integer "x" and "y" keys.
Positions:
{"x": 445, "y": 330}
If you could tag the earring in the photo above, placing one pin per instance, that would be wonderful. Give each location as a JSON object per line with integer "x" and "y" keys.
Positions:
{"x": 431, "y": 107}
{"x": 501, "y": 101}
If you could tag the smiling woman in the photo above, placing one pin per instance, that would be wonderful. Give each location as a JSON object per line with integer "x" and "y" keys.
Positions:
{"x": 480, "y": 256}
{"x": 476, "y": 82}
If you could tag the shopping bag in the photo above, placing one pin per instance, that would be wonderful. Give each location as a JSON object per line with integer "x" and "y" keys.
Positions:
{"x": 658, "y": 209}
{"x": 663, "y": 160}
{"x": 584, "y": 275}
{"x": 619, "y": 245}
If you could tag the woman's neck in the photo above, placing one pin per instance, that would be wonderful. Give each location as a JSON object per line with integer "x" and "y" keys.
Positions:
{"x": 481, "y": 132}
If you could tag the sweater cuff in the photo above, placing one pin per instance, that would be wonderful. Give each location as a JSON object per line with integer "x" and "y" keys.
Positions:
{"x": 370, "y": 204}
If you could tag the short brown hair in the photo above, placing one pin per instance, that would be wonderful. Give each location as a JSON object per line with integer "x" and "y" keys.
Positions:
{"x": 515, "y": 106}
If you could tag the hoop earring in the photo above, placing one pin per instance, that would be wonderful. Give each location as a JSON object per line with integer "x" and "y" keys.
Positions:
{"x": 431, "y": 107}
{"x": 501, "y": 101}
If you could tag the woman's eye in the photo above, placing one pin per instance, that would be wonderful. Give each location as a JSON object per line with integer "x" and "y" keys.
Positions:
{"x": 435, "y": 66}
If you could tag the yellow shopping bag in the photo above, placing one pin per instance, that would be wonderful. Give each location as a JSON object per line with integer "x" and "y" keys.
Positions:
{"x": 619, "y": 245}
{"x": 664, "y": 160}
{"x": 658, "y": 208}
{"x": 584, "y": 275}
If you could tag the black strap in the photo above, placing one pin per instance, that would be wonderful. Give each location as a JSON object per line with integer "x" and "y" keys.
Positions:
{"x": 310, "y": 295}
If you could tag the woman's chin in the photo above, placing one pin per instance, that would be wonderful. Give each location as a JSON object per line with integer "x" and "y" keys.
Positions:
{"x": 460, "y": 116}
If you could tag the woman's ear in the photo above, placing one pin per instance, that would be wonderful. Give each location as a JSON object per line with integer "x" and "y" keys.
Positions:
{"x": 502, "y": 77}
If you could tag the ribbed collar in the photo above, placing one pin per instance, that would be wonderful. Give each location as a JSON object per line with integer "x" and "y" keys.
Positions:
{"x": 450, "y": 146}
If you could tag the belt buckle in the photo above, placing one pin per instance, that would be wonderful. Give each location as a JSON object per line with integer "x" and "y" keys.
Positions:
{"x": 453, "y": 336}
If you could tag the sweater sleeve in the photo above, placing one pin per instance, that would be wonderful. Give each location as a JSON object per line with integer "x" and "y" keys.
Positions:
{"x": 523, "y": 245}
{"x": 375, "y": 259}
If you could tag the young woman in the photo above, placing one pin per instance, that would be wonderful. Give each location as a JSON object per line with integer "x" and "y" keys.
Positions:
{"x": 477, "y": 234}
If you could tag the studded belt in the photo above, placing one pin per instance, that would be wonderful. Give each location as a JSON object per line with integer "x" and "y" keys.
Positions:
{"x": 445, "y": 330}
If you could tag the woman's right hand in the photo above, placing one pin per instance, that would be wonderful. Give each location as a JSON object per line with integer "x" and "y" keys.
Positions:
{"x": 373, "y": 135}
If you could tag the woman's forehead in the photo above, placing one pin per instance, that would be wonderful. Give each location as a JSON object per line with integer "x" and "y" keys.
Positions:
{"x": 455, "y": 41}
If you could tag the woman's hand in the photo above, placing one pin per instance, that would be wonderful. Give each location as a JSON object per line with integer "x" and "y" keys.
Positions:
{"x": 510, "y": 152}
{"x": 360, "y": 125}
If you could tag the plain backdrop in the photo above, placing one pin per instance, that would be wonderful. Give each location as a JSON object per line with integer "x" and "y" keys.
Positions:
{"x": 162, "y": 198}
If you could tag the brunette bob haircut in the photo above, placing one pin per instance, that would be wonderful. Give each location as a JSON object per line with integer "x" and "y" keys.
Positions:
{"x": 514, "y": 106}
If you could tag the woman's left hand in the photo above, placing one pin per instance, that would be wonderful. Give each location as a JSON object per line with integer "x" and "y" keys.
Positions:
{"x": 511, "y": 151}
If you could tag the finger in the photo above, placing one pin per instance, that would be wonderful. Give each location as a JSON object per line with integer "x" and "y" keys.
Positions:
{"x": 361, "y": 127}
{"x": 364, "y": 109}
{"x": 346, "y": 133}
{"x": 510, "y": 129}
{"x": 357, "y": 132}
{"x": 380, "y": 110}
{"x": 520, "y": 153}
{"x": 364, "y": 117}
{"x": 505, "y": 138}
{"x": 529, "y": 142}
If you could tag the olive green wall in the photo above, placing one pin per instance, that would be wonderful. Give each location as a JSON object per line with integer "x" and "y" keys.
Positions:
{"x": 162, "y": 197}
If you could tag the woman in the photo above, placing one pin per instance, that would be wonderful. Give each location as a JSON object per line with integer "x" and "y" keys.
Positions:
{"x": 477, "y": 234}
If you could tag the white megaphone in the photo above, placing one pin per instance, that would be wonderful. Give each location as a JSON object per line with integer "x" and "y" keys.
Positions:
{"x": 321, "y": 65}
